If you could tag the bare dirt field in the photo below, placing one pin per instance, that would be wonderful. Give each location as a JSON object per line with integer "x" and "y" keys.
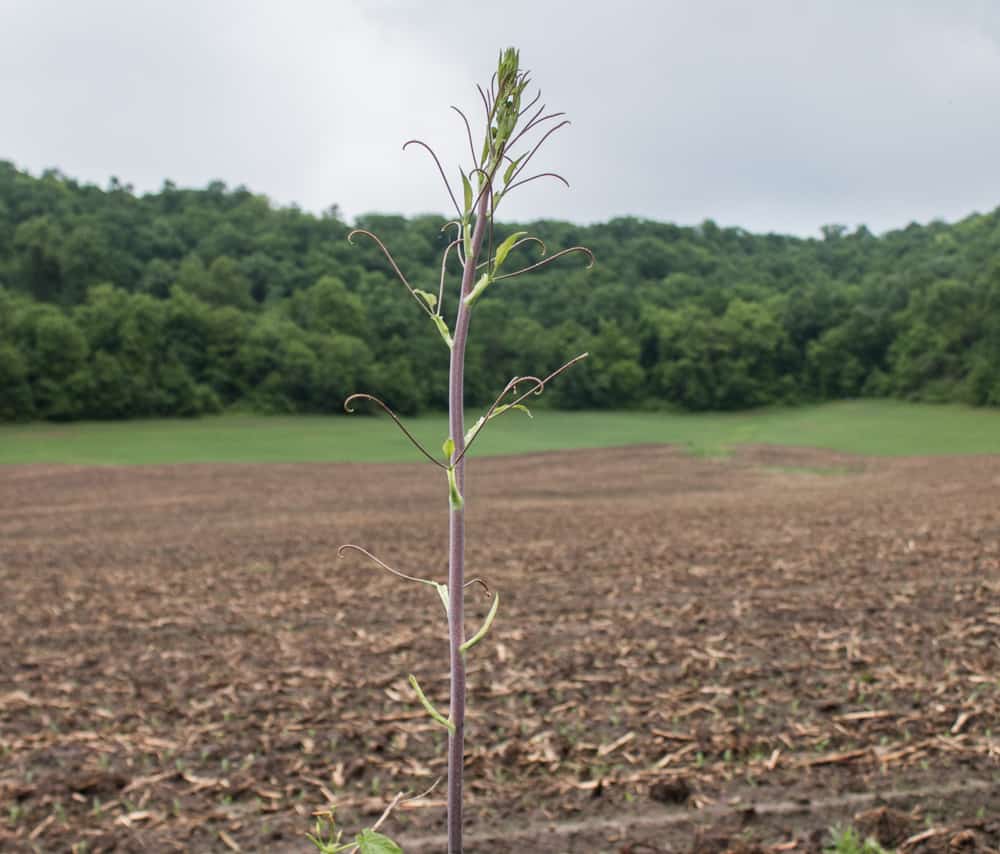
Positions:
{"x": 691, "y": 654}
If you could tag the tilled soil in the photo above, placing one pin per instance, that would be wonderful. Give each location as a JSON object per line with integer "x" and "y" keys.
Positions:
{"x": 690, "y": 655}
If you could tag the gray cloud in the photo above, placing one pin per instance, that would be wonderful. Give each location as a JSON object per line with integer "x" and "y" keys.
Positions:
{"x": 780, "y": 115}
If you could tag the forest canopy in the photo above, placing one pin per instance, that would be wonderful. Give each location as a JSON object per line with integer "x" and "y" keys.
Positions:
{"x": 115, "y": 304}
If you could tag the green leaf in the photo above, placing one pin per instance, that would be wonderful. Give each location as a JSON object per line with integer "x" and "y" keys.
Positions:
{"x": 507, "y": 406}
{"x": 371, "y": 842}
{"x": 442, "y": 327}
{"x": 429, "y": 706}
{"x": 480, "y": 286}
{"x": 510, "y": 170}
{"x": 454, "y": 496}
{"x": 442, "y": 592}
{"x": 470, "y": 434}
{"x": 475, "y": 428}
{"x": 427, "y": 297}
{"x": 504, "y": 249}
{"x": 448, "y": 447}
{"x": 467, "y": 188}
{"x": 478, "y": 636}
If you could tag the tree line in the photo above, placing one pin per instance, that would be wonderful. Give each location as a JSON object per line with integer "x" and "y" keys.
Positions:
{"x": 115, "y": 304}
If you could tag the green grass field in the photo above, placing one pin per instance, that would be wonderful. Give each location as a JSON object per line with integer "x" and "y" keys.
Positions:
{"x": 864, "y": 427}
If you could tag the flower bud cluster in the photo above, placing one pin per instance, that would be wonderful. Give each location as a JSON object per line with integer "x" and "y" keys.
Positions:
{"x": 511, "y": 83}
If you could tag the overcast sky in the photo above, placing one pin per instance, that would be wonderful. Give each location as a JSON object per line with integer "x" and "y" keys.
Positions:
{"x": 774, "y": 115}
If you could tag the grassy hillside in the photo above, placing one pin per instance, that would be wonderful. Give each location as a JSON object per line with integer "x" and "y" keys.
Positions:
{"x": 865, "y": 427}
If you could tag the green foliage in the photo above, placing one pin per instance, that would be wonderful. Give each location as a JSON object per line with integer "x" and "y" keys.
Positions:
{"x": 327, "y": 840}
{"x": 16, "y": 398}
{"x": 371, "y": 842}
{"x": 189, "y": 301}
{"x": 847, "y": 841}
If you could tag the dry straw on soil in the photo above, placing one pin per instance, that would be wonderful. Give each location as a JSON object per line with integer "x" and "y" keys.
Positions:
{"x": 186, "y": 667}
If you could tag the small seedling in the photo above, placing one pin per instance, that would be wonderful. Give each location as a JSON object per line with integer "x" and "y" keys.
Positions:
{"x": 328, "y": 838}
{"x": 846, "y": 841}
{"x": 513, "y": 134}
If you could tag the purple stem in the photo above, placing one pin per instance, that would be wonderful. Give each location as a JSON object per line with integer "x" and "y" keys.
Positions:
{"x": 456, "y": 530}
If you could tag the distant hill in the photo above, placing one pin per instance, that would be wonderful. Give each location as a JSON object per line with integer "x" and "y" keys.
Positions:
{"x": 180, "y": 302}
